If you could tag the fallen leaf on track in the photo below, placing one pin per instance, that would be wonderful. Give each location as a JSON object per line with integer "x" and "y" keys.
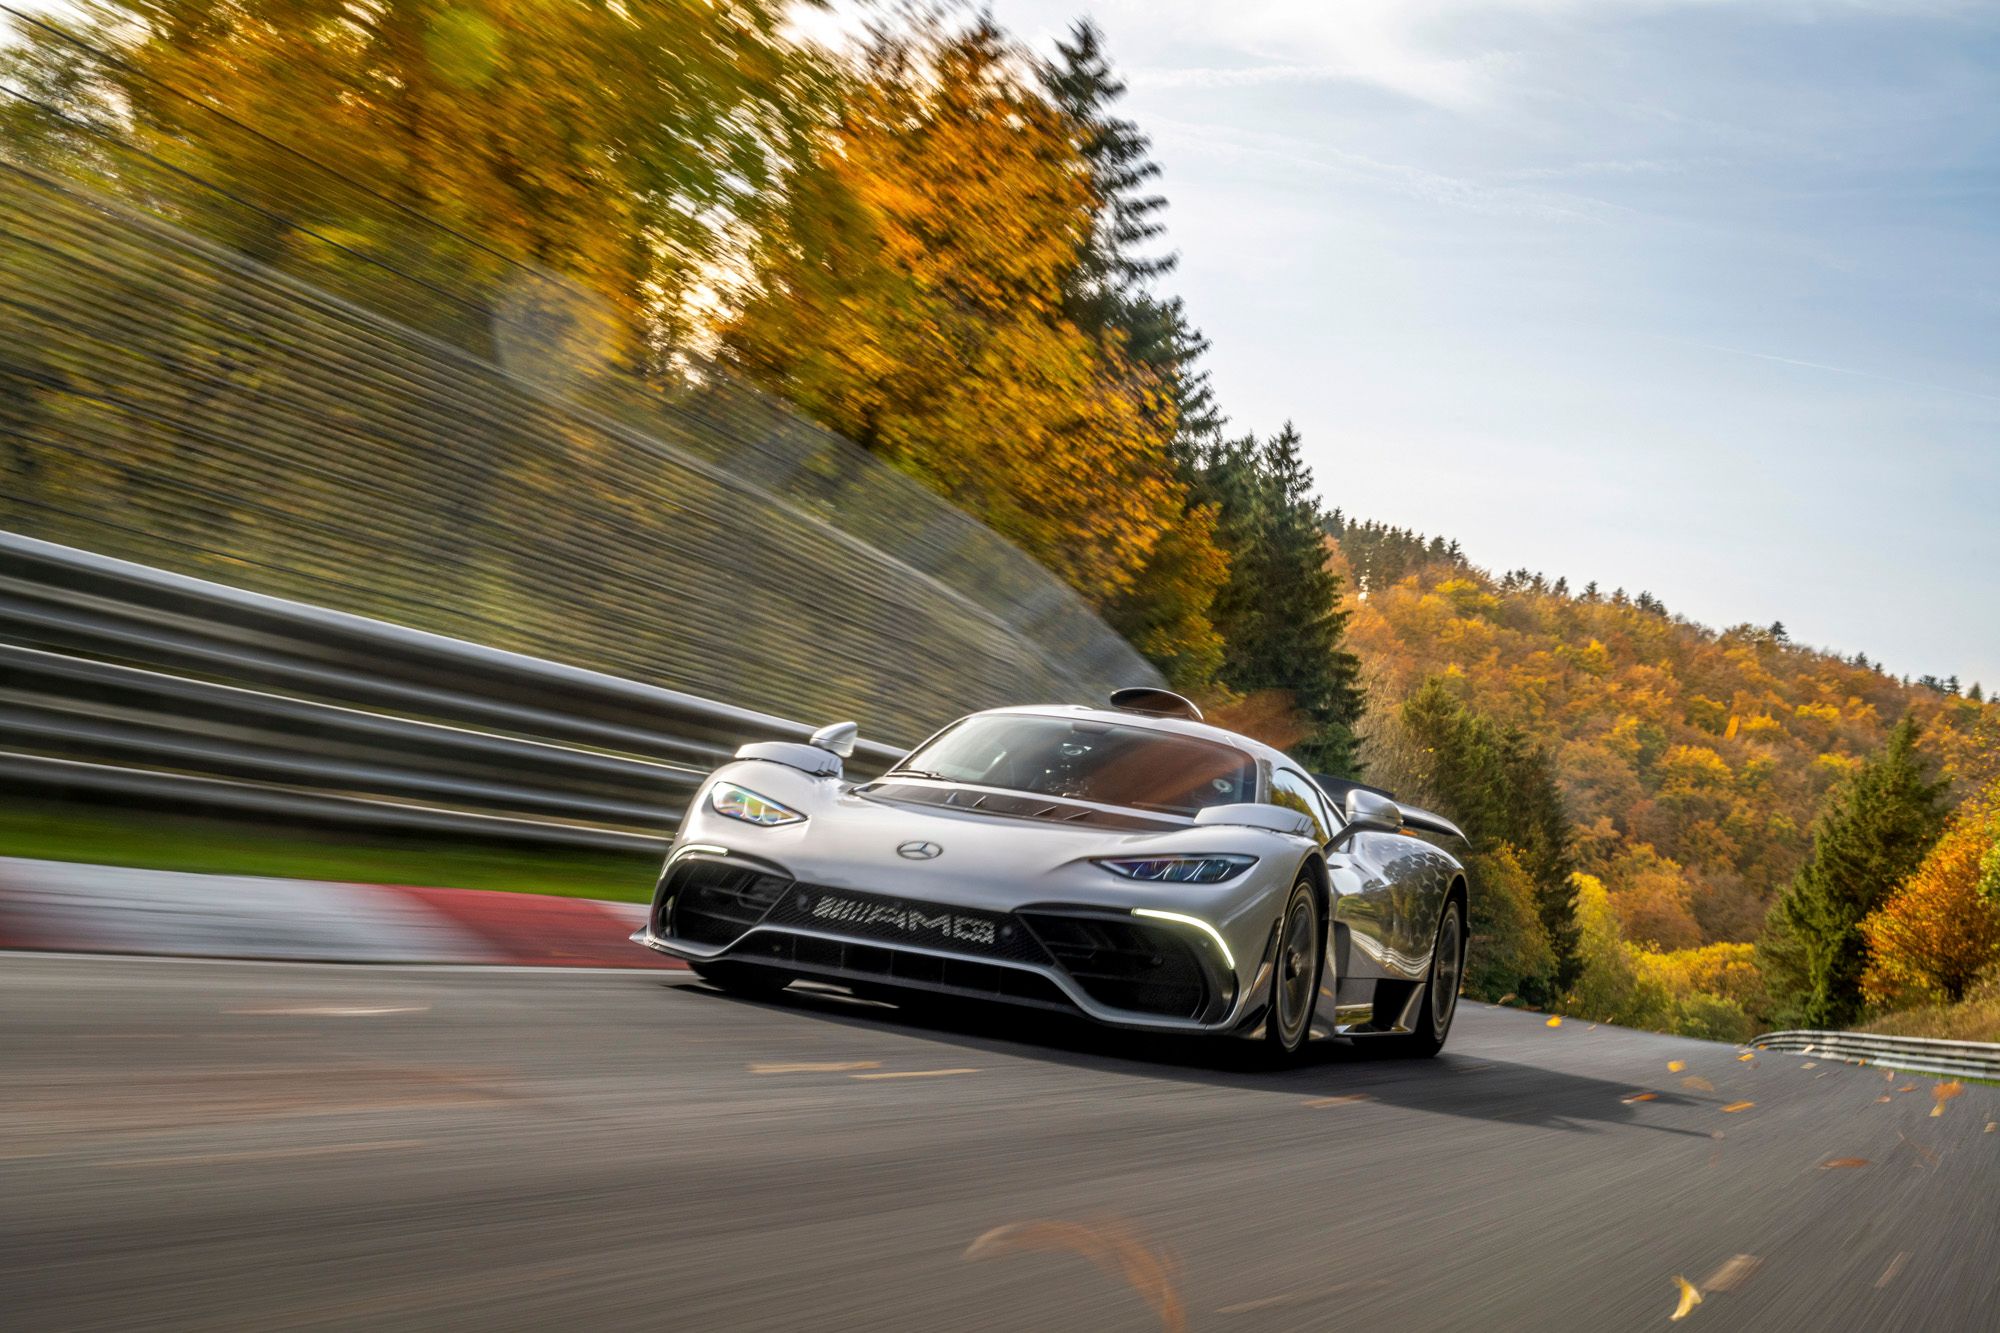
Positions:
{"x": 1641, "y": 1097}
{"x": 1676, "y": 1066}
{"x": 1504, "y": 998}
{"x": 1697, "y": 1083}
{"x": 1733, "y": 1273}
{"x": 1111, "y": 1245}
{"x": 1895, "y": 1267}
{"x": 1734, "y": 1107}
{"x": 813, "y": 1066}
{"x": 1747, "y": 1055}
{"x": 1991, "y": 1125}
{"x": 1689, "y": 1299}
{"x": 1842, "y": 1163}
{"x": 1555, "y": 1021}
{"x": 1810, "y": 1064}
{"x": 1885, "y": 1097}
{"x": 1342, "y": 1100}
{"x": 1944, "y": 1092}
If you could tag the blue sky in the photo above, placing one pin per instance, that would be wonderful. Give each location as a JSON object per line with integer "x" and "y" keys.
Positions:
{"x": 1691, "y": 296}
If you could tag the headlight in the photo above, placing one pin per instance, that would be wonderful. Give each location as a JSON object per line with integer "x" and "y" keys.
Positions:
{"x": 726, "y": 798}
{"x": 1179, "y": 869}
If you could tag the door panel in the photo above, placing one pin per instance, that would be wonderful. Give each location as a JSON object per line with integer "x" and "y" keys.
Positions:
{"x": 1391, "y": 889}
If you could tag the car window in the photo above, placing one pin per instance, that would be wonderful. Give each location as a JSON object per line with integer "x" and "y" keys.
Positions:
{"x": 1295, "y": 791}
{"x": 1089, "y": 760}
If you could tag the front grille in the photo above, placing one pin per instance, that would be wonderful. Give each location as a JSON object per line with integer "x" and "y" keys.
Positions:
{"x": 903, "y": 921}
{"x": 842, "y": 960}
{"x": 1126, "y": 964}
{"x": 714, "y": 902}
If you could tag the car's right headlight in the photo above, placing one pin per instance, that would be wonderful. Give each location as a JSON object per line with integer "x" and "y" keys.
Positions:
{"x": 726, "y": 798}
{"x": 1179, "y": 869}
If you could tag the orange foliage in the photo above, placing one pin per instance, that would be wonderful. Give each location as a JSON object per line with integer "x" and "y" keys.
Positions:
{"x": 1709, "y": 749}
{"x": 1938, "y": 932}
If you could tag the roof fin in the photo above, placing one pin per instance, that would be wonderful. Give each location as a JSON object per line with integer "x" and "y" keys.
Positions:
{"x": 1155, "y": 702}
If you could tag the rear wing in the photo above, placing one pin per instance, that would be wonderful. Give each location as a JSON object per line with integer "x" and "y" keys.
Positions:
{"x": 1413, "y": 817}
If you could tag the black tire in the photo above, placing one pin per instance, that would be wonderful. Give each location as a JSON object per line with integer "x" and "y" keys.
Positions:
{"x": 1440, "y": 999}
{"x": 744, "y": 979}
{"x": 1295, "y": 973}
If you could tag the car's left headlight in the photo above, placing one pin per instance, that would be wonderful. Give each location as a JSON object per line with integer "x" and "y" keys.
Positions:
{"x": 1179, "y": 869}
{"x": 726, "y": 798}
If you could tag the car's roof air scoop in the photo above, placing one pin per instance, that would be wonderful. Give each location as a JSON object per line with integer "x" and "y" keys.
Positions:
{"x": 1154, "y": 702}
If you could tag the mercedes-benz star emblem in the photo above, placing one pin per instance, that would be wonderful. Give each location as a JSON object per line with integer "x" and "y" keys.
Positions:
{"x": 919, "y": 851}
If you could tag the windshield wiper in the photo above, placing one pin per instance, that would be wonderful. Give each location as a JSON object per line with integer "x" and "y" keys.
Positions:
{"x": 917, "y": 773}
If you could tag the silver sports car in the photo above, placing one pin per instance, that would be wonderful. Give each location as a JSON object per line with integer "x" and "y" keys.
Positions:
{"x": 1131, "y": 864}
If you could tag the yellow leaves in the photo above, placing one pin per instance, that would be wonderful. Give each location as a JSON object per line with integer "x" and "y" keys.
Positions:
{"x": 1843, "y": 1163}
{"x": 1934, "y": 936}
{"x": 1111, "y": 1245}
{"x": 1696, "y": 1083}
{"x": 1640, "y": 1097}
{"x": 812, "y": 1066}
{"x": 1344, "y": 1099}
{"x": 1747, "y": 1055}
{"x": 1689, "y": 1299}
{"x": 1734, "y": 1107}
{"x": 1676, "y": 1066}
{"x": 1944, "y": 1092}
{"x": 1555, "y": 1021}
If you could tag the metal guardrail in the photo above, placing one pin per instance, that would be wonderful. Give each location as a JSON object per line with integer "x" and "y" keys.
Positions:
{"x": 1918, "y": 1055}
{"x": 118, "y": 679}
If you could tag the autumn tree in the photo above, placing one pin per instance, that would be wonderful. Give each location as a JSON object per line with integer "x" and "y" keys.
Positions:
{"x": 1937, "y": 933}
{"x": 448, "y": 151}
{"x": 1874, "y": 833}
{"x": 914, "y": 300}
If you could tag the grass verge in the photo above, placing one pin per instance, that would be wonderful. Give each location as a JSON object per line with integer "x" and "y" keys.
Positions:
{"x": 218, "y": 845}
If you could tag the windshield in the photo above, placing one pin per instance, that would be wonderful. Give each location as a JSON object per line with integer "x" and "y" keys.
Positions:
{"x": 1090, "y": 761}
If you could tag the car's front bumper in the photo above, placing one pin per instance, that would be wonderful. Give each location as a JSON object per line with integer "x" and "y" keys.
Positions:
{"x": 1047, "y": 956}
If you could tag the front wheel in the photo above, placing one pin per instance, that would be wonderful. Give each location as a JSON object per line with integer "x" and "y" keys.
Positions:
{"x": 744, "y": 979}
{"x": 1440, "y": 1002}
{"x": 1294, "y": 976}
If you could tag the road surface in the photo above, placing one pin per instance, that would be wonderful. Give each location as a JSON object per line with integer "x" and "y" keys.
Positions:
{"x": 232, "y": 1145}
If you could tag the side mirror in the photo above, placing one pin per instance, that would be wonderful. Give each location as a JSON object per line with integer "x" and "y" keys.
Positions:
{"x": 837, "y": 738}
{"x": 1370, "y": 811}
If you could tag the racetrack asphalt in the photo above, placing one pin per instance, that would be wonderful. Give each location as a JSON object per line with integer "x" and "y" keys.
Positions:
{"x": 206, "y": 1145}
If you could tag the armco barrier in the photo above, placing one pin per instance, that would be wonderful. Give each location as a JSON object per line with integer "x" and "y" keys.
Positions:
{"x": 116, "y": 679}
{"x": 1919, "y": 1055}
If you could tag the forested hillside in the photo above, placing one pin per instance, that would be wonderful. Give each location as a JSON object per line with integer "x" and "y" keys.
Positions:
{"x": 1692, "y": 762}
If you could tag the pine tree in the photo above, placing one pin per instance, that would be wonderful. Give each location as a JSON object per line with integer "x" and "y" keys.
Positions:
{"x": 1110, "y": 292}
{"x": 1280, "y": 612}
{"x": 1872, "y": 833}
{"x": 1503, "y": 792}
{"x": 1538, "y": 827}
